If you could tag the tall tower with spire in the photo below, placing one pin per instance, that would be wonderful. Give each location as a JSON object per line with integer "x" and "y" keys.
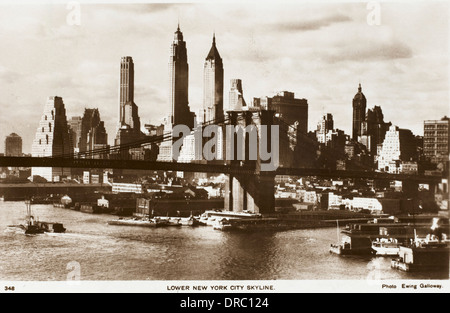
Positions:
{"x": 359, "y": 113}
{"x": 179, "y": 82}
{"x": 213, "y": 85}
{"x": 126, "y": 85}
{"x": 129, "y": 126}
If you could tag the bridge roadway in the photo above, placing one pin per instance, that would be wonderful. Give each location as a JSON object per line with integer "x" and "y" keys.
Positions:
{"x": 235, "y": 169}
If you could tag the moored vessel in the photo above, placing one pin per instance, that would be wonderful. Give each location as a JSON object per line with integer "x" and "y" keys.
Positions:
{"x": 425, "y": 254}
{"x": 385, "y": 247}
{"x": 145, "y": 222}
{"x": 222, "y": 224}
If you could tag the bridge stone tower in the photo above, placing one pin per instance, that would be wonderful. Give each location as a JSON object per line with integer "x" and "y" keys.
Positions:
{"x": 253, "y": 192}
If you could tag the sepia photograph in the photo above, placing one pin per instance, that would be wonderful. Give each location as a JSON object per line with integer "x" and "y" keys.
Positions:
{"x": 247, "y": 147}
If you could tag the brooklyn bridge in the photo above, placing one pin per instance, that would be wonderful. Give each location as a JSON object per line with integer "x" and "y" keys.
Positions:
{"x": 248, "y": 188}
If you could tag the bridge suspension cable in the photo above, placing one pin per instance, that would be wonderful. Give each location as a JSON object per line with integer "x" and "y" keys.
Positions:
{"x": 135, "y": 144}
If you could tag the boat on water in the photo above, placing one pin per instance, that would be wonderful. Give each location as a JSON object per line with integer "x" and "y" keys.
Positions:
{"x": 180, "y": 221}
{"x": 425, "y": 254}
{"x": 33, "y": 226}
{"x": 222, "y": 224}
{"x": 351, "y": 244}
{"x": 385, "y": 247}
{"x": 424, "y": 257}
{"x": 157, "y": 221}
{"x": 136, "y": 221}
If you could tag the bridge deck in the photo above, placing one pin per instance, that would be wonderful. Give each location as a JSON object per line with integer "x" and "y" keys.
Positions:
{"x": 225, "y": 168}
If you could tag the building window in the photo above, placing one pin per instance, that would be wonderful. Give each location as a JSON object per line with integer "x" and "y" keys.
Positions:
{"x": 40, "y": 141}
{"x": 45, "y": 117}
{"x": 50, "y": 126}
{"x": 42, "y": 129}
{"x": 46, "y": 138}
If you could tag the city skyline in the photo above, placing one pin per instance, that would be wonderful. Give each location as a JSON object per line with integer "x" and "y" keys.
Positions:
{"x": 321, "y": 58}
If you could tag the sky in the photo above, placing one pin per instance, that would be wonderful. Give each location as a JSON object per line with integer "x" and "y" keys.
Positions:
{"x": 319, "y": 50}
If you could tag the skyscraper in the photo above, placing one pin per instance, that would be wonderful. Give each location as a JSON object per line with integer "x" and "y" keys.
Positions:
{"x": 179, "y": 82}
{"x": 93, "y": 134}
{"x": 13, "y": 145}
{"x": 126, "y": 85}
{"x": 325, "y": 124}
{"x": 75, "y": 131}
{"x": 236, "y": 96}
{"x": 292, "y": 110}
{"x": 213, "y": 85}
{"x": 373, "y": 129}
{"x": 359, "y": 113}
{"x": 437, "y": 140}
{"x": 129, "y": 129}
{"x": 399, "y": 146}
{"x": 52, "y": 139}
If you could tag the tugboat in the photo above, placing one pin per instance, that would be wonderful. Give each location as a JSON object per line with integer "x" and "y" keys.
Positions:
{"x": 33, "y": 227}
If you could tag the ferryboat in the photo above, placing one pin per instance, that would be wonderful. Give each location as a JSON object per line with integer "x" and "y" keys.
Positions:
{"x": 425, "y": 254}
{"x": 424, "y": 257}
{"x": 385, "y": 247}
{"x": 352, "y": 246}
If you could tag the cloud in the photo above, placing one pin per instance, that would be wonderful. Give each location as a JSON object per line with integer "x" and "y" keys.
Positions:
{"x": 7, "y": 76}
{"x": 368, "y": 51}
{"x": 313, "y": 24}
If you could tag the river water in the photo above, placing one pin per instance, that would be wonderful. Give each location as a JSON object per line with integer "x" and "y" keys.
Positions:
{"x": 106, "y": 252}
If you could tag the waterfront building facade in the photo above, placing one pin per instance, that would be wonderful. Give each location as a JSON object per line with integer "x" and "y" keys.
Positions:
{"x": 52, "y": 139}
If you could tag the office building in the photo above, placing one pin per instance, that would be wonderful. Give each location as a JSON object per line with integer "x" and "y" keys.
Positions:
{"x": 13, "y": 145}
{"x": 236, "y": 96}
{"x": 399, "y": 146}
{"x": 290, "y": 109}
{"x": 52, "y": 139}
{"x": 129, "y": 126}
{"x": 213, "y": 85}
{"x": 436, "y": 140}
{"x": 179, "y": 82}
{"x": 93, "y": 134}
{"x": 359, "y": 113}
